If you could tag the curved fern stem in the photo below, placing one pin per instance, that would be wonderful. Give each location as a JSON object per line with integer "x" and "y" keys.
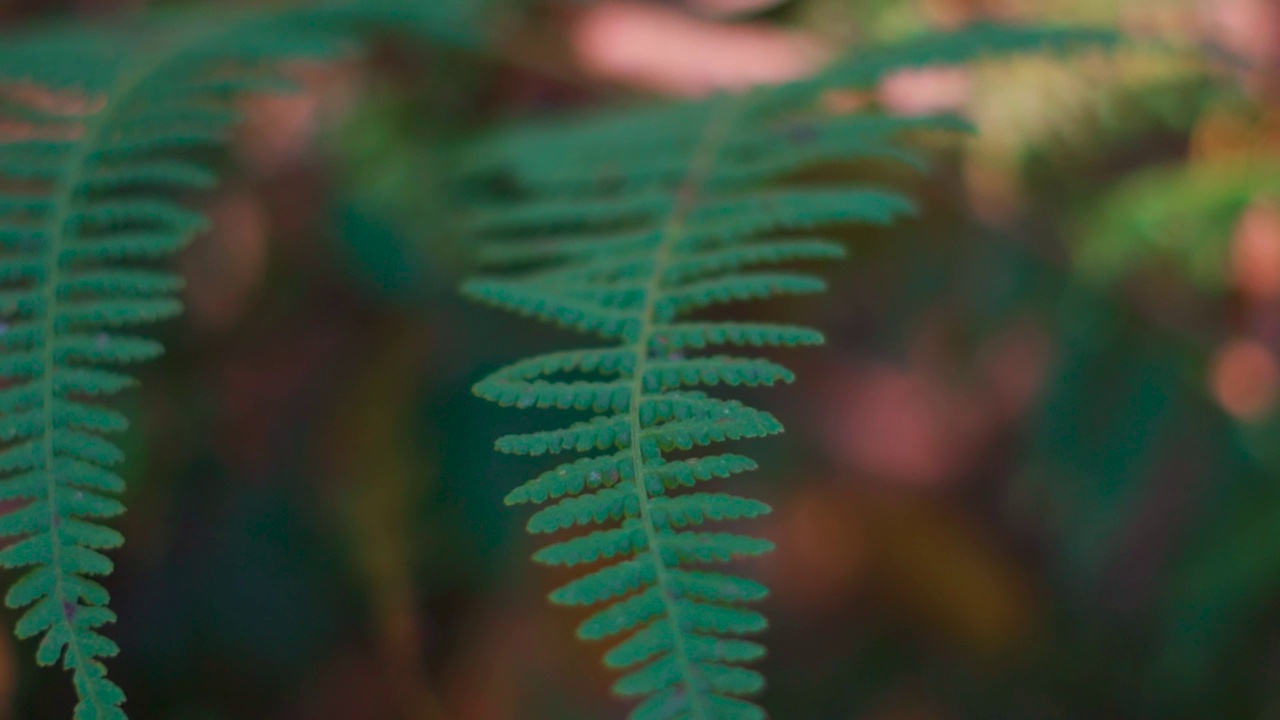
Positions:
{"x": 99, "y": 699}
{"x": 66, "y": 191}
{"x": 699, "y": 168}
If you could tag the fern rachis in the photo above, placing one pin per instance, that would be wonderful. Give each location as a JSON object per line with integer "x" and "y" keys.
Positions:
{"x": 703, "y": 161}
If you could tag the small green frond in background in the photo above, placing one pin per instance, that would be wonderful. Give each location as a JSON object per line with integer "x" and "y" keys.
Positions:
{"x": 973, "y": 44}
{"x": 1184, "y": 213}
{"x": 623, "y": 227}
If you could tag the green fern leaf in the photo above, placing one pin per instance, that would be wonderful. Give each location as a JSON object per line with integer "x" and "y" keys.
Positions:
{"x": 98, "y": 207}
{"x": 686, "y": 247}
{"x": 621, "y": 226}
{"x": 93, "y": 189}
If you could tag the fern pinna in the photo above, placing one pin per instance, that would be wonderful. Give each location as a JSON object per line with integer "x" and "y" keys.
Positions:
{"x": 104, "y": 134}
{"x": 623, "y": 227}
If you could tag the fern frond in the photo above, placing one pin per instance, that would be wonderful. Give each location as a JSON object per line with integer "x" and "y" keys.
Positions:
{"x": 95, "y": 186}
{"x": 96, "y": 207}
{"x": 621, "y": 226}
{"x": 688, "y": 247}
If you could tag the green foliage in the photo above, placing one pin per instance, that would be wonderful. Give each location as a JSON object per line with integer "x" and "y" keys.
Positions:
{"x": 621, "y": 227}
{"x": 1184, "y": 214}
{"x": 115, "y": 127}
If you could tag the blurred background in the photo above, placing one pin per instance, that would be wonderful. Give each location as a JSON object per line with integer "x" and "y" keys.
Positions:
{"x": 1035, "y": 474}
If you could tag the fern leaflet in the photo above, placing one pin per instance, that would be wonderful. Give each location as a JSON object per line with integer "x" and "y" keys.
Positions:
{"x": 621, "y": 226}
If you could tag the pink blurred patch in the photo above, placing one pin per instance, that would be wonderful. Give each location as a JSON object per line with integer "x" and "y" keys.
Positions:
{"x": 903, "y": 426}
{"x": 926, "y": 91}
{"x": 1244, "y": 378}
{"x": 1255, "y": 252}
{"x": 1248, "y": 28}
{"x": 671, "y": 52}
{"x": 55, "y": 102}
{"x": 916, "y": 427}
{"x": 277, "y": 131}
{"x": 843, "y": 102}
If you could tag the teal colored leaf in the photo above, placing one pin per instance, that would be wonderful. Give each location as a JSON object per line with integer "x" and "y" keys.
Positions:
{"x": 625, "y": 226}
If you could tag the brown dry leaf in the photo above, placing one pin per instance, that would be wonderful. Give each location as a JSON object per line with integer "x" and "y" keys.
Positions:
{"x": 668, "y": 51}
{"x": 1244, "y": 377}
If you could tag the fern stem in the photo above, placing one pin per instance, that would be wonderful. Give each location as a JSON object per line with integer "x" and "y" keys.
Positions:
{"x": 68, "y": 193}
{"x": 699, "y": 168}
